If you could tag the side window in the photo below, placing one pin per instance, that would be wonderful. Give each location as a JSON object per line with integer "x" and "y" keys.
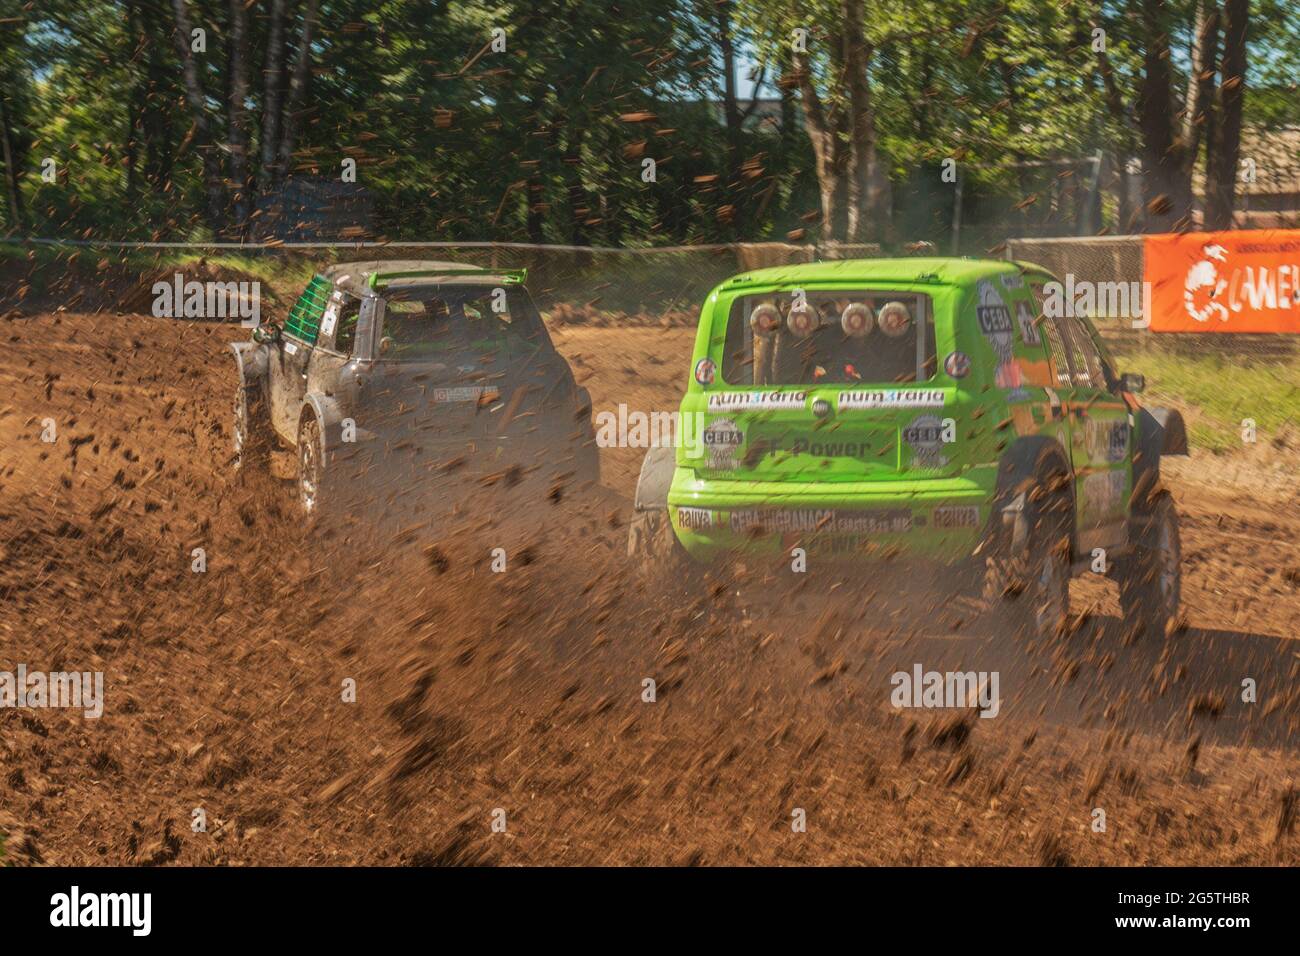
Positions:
{"x": 1084, "y": 343}
{"x": 1079, "y": 367}
{"x": 349, "y": 312}
{"x": 1055, "y": 344}
{"x": 1060, "y": 358}
{"x": 305, "y": 316}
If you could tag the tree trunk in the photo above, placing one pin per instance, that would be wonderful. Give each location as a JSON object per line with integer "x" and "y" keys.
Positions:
{"x": 1223, "y": 156}
{"x": 730, "y": 108}
{"x": 1200, "y": 85}
{"x": 272, "y": 77}
{"x": 135, "y": 102}
{"x": 861, "y": 134}
{"x": 825, "y": 145}
{"x": 1129, "y": 216}
{"x": 11, "y": 170}
{"x": 216, "y": 193}
{"x": 1199, "y": 118}
{"x": 237, "y": 114}
{"x": 297, "y": 92}
{"x": 1166, "y": 190}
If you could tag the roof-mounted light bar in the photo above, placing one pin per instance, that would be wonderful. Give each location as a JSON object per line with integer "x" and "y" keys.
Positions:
{"x": 378, "y": 279}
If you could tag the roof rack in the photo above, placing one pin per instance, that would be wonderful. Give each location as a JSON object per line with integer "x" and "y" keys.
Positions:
{"x": 378, "y": 279}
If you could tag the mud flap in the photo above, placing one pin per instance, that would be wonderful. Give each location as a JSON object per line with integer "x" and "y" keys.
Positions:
{"x": 1172, "y": 429}
{"x": 656, "y": 476}
{"x": 252, "y": 362}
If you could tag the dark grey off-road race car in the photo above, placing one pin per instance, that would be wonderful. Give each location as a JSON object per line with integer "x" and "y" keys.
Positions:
{"x": 431, "y": 367}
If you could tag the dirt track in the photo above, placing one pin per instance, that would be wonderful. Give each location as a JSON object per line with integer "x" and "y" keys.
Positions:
{"x": 522, "y": 691}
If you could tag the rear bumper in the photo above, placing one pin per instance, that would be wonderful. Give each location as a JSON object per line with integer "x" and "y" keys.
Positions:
{"x": 940, "y": 520}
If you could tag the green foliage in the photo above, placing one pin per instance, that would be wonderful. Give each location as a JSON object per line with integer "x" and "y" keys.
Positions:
{"x": 544, "y": 141}
{"x": 1217, "y": 392}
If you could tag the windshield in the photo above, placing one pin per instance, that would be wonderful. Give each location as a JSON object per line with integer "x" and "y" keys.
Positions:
{"x": 814, "y": 338}
{"x": 422, "y": 323}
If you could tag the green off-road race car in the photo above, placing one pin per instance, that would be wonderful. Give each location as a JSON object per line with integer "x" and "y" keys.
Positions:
{"x": 927, "y": 409}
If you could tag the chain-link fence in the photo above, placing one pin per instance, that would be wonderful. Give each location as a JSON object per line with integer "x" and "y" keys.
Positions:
{"x": 571, "y": 284}
{"x": 1118, "y": 261}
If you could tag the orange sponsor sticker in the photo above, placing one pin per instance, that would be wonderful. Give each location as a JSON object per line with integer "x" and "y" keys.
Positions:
{"x": 1242, "y": 281}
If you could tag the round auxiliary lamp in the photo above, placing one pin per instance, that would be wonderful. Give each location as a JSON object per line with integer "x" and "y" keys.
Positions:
{"x": 894, "y": 319}
{"x": 765, "y": 319}
{"x": 802, "y": 321}
{"x": 857, "y": 320}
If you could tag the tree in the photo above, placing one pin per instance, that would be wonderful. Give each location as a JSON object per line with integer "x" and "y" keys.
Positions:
{"x": 831, "y": 71}
{"x": 1223, "y": 153}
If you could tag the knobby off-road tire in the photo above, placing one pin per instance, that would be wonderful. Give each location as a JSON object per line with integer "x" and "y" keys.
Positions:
{"x": 313, "y": 485}
{"x": 1027, "y": 581}
{"x": 253, "y": 440}
{"x": 1150, "y": 581}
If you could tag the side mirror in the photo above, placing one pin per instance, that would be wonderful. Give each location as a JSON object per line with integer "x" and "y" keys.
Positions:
{"x": 267, "y": 333}
{"x": 1132, "y": 382}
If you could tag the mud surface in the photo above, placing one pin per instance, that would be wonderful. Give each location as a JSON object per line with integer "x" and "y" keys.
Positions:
{"x": 522, "y": 691}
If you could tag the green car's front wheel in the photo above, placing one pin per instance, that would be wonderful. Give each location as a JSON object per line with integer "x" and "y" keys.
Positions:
{"x": 1150, "y": 582}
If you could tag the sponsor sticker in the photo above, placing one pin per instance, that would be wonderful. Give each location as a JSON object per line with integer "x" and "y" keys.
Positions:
{"x": 723, "y": 442}
{"x": 705, "y": 371}
{"x": 994, "y": 320}
{"x": 1013, "y": 280}
{"x": 925, "y": 437}
{"x": 823, "y": 448}
{"x": 290, "y": 348}
{"x": 756, "y": 401}
{"x": 821, "y": 521}
{"x": 467, "y": 393}
{"x": 1104, "y": 491}
{"x": 956, "y": 516}
{"x": 1028, "y": 328}
{"x": 692, "y": 519}
{"x": 329, "y": 319}
{"x": 957, "y": 365}
{"x": 896, "y": 398}
{"x": 1108, "y": 439}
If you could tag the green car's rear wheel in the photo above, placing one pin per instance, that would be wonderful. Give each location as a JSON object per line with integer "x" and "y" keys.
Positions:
{"x": 1027, "y": 579}
{"x": 658, "y": 557}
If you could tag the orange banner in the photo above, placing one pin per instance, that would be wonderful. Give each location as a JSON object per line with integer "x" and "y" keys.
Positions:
{"x": 1241, "y": 281}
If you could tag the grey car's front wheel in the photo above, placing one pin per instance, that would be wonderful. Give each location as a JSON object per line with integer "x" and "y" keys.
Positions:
{"x": 312, "y": 490}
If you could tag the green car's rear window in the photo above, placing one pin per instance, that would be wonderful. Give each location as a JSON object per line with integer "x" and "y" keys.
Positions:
{"x": 828, "y": 338}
